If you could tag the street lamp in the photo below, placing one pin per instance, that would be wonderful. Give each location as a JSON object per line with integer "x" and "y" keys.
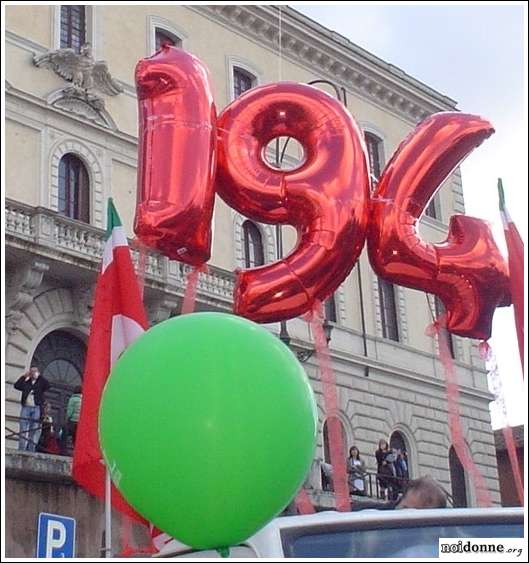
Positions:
{"x": 304, "y": 355}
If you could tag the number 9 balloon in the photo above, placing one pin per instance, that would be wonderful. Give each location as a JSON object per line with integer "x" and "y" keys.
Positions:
{"x": 325, "y": 198}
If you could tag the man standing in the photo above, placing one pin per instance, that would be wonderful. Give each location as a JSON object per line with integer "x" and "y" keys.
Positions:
{"x": 33, "y": 387}
{"x": 73, "y": 411}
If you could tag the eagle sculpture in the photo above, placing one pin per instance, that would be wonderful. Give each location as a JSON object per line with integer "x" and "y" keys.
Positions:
{"x": 80, "y": 69}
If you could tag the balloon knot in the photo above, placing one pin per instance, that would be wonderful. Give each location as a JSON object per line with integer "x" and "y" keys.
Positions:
{"x": 435, "y": 328}
{"x": 223, "y": 551}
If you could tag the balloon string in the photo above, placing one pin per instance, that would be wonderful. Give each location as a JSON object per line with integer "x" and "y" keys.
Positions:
{"x": 515, "y": 462}
{"x": 129, "y": 547}
{"x": 454, "y": 416}
{"x": 141, "y": 264}
{"x": 330, "y": 399}
{"x": 190, "y": 294}
{"x": 280, "y": 44}
{"x": 303, "y": 502}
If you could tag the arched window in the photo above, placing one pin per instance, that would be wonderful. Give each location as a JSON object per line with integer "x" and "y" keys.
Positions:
{"x": 74, "y": 189}
{"x": 388, "y": 310}
{"x": 458, "y": 480}
{"x": 73, "y": 27}
{"x": 242, "y": 81}
{"x": 398, "y": 442}
{"x": 253, "y": 245}
{"x": 164, "y": 37}
{"x": 325, "y": 476}
{"x": 60, "y": 357}
{"x": 374, "y": 150}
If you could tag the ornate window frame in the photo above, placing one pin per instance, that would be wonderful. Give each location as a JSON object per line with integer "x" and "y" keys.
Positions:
{"x": 400, "y": 304}
{"x": 267, "y": 234}
{"x": 368, "y": 127}
{"x": 233, "y": 62}
{"x": 95, "y": 175}
{"x": 93, "y": 28}
{"x": 157, "y": 22}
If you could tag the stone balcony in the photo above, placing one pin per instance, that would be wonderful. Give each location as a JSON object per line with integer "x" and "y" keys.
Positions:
{"x": 41, "y": 231}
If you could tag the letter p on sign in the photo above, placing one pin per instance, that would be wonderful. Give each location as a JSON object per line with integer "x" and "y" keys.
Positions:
{"x": 55, "y": 536}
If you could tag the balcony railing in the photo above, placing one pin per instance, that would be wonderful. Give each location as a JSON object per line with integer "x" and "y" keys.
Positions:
{"x": 64, "y": 239}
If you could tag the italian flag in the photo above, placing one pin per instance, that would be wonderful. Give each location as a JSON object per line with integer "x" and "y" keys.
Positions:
{"x": 515, "y": 249}
{"x": 118, "y": 318}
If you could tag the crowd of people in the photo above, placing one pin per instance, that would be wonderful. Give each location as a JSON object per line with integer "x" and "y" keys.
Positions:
{"x": 38, "y": 431}
{"x": 392, "y": 472}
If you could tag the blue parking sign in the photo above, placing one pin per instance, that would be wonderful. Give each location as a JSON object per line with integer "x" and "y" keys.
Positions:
{"x": 55, "y": 536}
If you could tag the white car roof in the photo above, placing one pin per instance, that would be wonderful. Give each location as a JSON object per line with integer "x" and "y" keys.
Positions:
{"x": 268, "y": 538}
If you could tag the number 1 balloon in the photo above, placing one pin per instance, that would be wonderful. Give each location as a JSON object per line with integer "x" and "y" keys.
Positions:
{"x": 177, "y": 151}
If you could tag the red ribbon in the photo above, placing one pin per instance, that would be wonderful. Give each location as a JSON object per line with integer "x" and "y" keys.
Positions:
{"x": 330, "y": 400}
{"x": 461, "y": 448}
{"x": 190, "y": 295}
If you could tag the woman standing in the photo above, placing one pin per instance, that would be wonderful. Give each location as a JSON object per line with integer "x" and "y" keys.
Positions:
{"x": 385, "y": 468}
{"x": 356, "y": 470}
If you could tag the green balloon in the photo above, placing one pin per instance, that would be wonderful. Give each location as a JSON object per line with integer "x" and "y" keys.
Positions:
{"x": 208, "y": 425}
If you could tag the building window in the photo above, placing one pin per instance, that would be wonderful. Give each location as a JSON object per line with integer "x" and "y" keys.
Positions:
{"x": 432, "y": 210}
{"x": 242, "y": 81}
{"x": 330, "y": 309}
{"x": 439, "y": 312}
{"x": 60, "y": 357}
{"x": 326, "y": 477}
{"x": 374, "y": 151}
{"x": 458, "y": 480}
{"x": 163, "y": 37}
{"x": 397, "y": 442}
{"x": 73, "y": 27}
{"x": 388, "y": 310}
{"x": 74, "y": 189}
{"x": 253, "y": 245}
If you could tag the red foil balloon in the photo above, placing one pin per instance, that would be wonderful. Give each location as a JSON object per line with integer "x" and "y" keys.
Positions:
{"x": 466, "y": 271}
{"x": 177, "y": 155}
{"x": 325, "y": 198}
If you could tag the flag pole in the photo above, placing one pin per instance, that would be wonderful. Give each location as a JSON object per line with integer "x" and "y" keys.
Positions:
{"x": 108, "y": 514}
{"x": 501, "y": 195}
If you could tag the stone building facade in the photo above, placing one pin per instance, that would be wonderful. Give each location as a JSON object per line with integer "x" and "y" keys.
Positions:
{"x": 66, "y": 153}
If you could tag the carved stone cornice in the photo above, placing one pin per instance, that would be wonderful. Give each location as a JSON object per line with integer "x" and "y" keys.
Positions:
{"x": 83, "y": 297}
{"x": 83, "y": 104}
{"x": 21, "y": 288}
{"x": 87, "y": 79}
{"x": 330, "y": 55}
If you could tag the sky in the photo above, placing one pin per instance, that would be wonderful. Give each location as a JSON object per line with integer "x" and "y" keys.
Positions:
{"x": 475, "y": 54}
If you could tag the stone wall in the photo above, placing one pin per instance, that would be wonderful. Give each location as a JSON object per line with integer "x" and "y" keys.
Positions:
{"x": 38, "y": 483}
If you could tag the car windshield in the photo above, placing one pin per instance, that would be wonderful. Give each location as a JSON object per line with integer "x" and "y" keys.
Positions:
{"x": 389, "y": 542}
